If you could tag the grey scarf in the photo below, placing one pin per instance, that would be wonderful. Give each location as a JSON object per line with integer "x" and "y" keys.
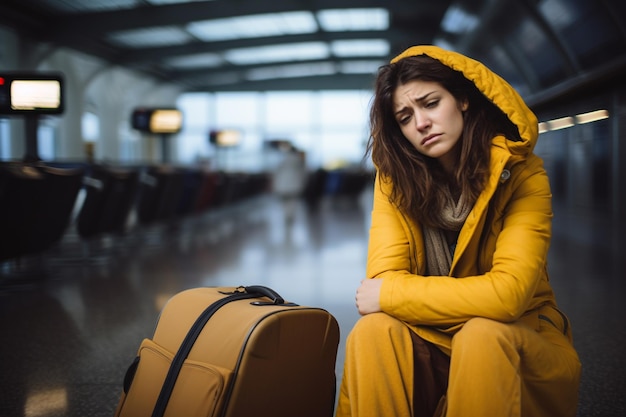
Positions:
{"x": 438, "y": 252}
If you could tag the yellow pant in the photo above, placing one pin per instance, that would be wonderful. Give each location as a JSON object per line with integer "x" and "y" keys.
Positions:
{"x": 496, "y": 369}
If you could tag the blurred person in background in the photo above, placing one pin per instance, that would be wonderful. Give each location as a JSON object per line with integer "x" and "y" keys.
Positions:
{"x": 289, "y": 180}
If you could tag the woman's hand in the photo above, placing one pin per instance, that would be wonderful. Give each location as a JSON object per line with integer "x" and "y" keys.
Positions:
{"x": 368, "y": 296}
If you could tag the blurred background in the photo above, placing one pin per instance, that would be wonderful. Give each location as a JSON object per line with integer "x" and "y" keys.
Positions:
{"x": 149, "y": 146}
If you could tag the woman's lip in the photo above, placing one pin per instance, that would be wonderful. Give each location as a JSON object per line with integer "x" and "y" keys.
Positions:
{"x": 429, "y": 138}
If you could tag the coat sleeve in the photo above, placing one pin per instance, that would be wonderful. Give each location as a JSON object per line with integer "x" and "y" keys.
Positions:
{"x": 513, "y": 246}
{"x": 392, "y": 249}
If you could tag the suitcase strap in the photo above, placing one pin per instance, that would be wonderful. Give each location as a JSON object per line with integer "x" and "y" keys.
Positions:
{"x": 240, "y": 293}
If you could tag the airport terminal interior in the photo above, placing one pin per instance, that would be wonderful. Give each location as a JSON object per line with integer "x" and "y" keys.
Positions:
{"x": 105, "y": 215}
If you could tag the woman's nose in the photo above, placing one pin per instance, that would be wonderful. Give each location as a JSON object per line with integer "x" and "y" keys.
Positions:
{"x": 422, "y": 121}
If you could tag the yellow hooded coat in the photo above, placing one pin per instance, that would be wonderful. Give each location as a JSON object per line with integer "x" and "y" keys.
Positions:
{"x": 511, "y": 217}
{"x": 498, "y": 271}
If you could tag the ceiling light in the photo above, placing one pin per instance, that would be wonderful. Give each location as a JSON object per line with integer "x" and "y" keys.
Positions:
{"x": 443, "y": 44}
{"x": 593, "y": 116}
{"x": 292, "y": 71}
{"x": 458, "y": 21}
{"x": 569, "y": 121}
{"x": 150, "y": 37}
{"x": 339, "y": 20}
{"x": 196, "y": 61}
{"x": 561, "y": 123}
{"x": 360, "y": 47}
{"x": 90, "y": 5}
{"x": 254, "y": 26}
{"x": 278, "y": 53}
{"x": 560, "y": 14}
{"x": 361, "y": 67}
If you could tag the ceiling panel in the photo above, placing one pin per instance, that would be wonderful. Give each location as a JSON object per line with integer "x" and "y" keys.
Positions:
{"x": 286, "y": 44}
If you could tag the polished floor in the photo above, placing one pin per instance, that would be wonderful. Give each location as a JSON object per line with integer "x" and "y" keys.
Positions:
{"x": 70, "y": 322}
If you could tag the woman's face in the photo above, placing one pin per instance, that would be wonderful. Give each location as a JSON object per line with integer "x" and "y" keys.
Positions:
{"x": 430, "y": 118}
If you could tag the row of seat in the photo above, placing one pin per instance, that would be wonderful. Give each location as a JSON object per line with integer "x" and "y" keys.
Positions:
{"x": 37, "y": 201}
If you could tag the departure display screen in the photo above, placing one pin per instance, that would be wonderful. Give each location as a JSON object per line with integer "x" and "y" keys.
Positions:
{"x": 31, "y": 93}
{"x": 157, "y": 120}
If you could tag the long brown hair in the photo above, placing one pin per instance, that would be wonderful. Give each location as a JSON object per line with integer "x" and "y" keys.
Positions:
{"x": 418, "y": 181}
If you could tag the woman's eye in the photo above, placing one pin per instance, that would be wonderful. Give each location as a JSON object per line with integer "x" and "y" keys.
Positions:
{"x": 432, "y": 104}
{"x": 404, "y": 120}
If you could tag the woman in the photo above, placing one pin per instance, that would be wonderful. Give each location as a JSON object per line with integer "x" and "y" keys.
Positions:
{"x": 458, "y": 316}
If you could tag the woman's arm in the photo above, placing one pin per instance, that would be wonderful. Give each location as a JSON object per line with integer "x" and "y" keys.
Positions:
{"x": 395, "y": 244}
{"x": 515, "y": 243}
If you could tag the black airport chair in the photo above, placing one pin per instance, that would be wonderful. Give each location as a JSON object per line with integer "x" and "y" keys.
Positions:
{"x": 110, "y": 195}
{"x": 36, "y": 204}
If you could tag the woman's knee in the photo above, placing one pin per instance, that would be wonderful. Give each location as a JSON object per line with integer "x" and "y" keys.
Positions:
{"x": 375, "y": 326}
{"x": 481, "y": 331}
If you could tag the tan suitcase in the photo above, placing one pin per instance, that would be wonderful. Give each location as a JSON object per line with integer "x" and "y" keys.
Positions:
{"x": 255, "y": 356}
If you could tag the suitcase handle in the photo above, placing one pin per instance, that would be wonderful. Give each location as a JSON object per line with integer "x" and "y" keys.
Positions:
{"x": 256, "y": 291}
{"x": 266, "y": 292}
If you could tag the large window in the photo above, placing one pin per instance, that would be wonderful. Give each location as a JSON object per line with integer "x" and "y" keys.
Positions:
{"x": 330, "y": 126}
{"x": 46, "y": 141}
{"x": 5, "y": 141}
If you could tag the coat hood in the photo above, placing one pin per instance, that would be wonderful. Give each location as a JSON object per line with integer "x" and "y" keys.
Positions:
{"x": 495, "y": 88}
